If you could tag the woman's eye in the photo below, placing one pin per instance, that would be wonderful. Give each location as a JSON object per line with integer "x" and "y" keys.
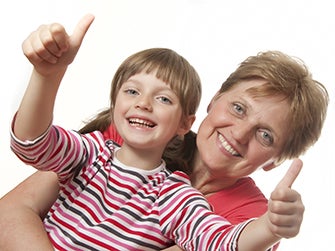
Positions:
{"x": 266, "y": 137}
{"x": 165, "y": 100}
{"x": 238, "y": 108}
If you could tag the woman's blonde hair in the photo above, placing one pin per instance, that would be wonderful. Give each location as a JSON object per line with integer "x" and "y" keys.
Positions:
{"x": 288, "y": 77}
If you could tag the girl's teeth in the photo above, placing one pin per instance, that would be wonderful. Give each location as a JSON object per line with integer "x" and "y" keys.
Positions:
{"x": 140, "y": 122}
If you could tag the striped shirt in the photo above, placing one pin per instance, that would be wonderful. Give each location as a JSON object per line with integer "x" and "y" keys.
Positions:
{"x": 106, "y": 205}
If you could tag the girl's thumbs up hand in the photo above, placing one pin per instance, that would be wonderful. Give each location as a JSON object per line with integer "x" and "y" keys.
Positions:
{"x": 285, "y": 209}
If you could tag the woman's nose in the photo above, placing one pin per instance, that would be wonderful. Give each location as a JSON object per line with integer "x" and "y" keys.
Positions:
{"x": 144, "y": 103}
{"x": 242, "y": 132}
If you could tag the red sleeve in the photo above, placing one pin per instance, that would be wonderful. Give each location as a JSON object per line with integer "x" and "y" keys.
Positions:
{"x": 111, "y": 133}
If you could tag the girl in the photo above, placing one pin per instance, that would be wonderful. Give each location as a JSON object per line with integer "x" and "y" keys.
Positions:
{"x": 134, "y": 147}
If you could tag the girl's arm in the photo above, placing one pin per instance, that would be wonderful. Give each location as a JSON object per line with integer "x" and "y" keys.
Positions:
{"x": 173, "y": 248}
{"x": 21, "y": 211}
{"x": 283, "y": 218}
{"x": 50, "y": 50}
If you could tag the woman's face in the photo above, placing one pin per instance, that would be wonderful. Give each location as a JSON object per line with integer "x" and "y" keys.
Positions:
{"x": 242, "y": 133}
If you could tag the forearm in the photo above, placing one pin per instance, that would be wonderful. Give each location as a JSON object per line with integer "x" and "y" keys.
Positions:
{"x": 50, "y": 50}
{"x": 173, "y": 248}
{"x": 256, "y": 236}
{"x": 22, "y": 229}
{"x": 36, "y": 109}
{"x": 21, "y": 211}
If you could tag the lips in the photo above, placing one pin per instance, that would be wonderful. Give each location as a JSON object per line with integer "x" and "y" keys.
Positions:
{"x": 227, "y": 146}
{"x": 137, "y": 122}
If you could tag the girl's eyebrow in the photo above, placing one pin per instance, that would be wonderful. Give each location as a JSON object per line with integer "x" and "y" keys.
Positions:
{"x": 166, "y": 87}
{"x": 131, "y": 80}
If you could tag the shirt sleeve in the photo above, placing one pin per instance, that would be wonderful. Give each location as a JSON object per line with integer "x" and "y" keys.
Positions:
{"x": 58, "y": 150}
{"x": 186, "y": 217}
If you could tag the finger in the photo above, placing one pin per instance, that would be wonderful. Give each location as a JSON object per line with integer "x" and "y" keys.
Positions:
{"x": 291, "y": 174}
{"x": 287, "y": 225}
{"x": 59, "y": 39}
{"x": 28, "y": 50}
{"x": 81, "y": 29}
{"x": 35, "y": 50}
{"x": 51, "y": 42}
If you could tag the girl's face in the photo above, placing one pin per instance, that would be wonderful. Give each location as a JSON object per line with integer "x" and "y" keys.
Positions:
{"x": 147, "y": 113}
{"x": 242, "y": 133}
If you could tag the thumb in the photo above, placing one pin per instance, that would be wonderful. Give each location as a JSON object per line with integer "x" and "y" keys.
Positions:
{"x": 291, "y": 174}
{"x": 81, "y": 29}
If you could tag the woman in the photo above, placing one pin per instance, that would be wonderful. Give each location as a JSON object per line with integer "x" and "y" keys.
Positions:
{"x": 267, "y": 111}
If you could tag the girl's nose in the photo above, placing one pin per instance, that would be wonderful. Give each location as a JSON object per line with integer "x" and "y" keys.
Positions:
{"x": 144, "y": 103}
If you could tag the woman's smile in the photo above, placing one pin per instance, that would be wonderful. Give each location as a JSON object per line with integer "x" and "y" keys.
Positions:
{"x": 229, "y": 148}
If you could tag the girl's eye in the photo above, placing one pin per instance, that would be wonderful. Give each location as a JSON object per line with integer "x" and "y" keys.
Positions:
{"x": 266, "y": 137}
{"x": 238, "y": 108}
{"x": 131, "y": 92}
{"x": 165, "y": 100}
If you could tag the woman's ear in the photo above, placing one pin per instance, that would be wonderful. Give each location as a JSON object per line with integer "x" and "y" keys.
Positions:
{"x": 185, "y": 125}
{"x": 273, "y": 164}
{"x": 269, "y": 165}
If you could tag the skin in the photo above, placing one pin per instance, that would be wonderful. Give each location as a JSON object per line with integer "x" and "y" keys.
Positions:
{"x": 284, "y": 216}
{"x": 239, "y": 135}
{"x": 145, "y": 100}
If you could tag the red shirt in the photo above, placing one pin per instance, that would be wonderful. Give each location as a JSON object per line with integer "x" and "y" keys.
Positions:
{"x": 245, "y": 201}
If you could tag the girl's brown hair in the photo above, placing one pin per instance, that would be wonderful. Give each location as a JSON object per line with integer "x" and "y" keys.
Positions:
{"x": 169, "y": 67}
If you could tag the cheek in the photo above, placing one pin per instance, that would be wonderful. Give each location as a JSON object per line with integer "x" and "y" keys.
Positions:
{"x": 258, "y": 155}
{"x": 203, "y": 137}
{"x": 208, "y": 148}
{"x": 118, "y": 113}
{"x": 170, "y": 116}
{"x": 219, "y": 117}
{"x": 207, "y": 125}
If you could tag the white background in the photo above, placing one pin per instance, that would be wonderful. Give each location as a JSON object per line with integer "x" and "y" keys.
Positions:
{"x": 214, "y": 35}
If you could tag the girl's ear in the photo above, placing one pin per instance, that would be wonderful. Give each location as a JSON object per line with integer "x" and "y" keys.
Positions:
{"x": 185, "y": 125}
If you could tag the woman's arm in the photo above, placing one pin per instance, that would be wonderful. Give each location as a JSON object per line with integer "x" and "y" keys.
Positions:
{"x": 21, "y": 211}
